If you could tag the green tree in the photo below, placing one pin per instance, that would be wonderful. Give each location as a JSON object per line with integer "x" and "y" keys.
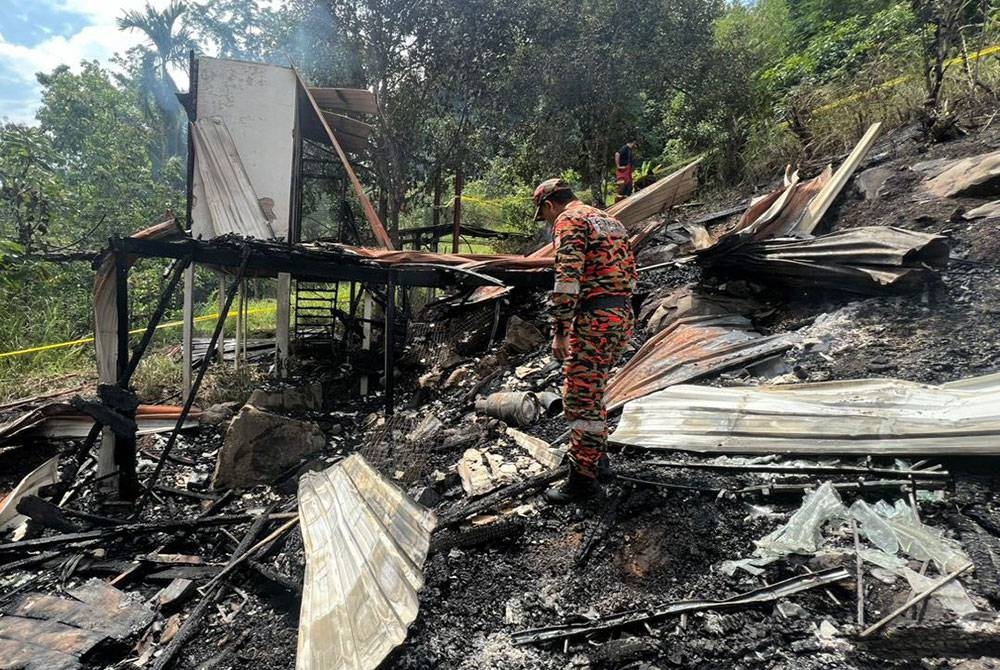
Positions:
{"x": 169, "y": 41}
{"x": 29, "y": 186}
{"x": 101, "y": 139}
{"x": 812, "y": 16}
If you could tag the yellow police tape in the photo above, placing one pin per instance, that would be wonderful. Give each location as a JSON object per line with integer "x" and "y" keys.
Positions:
{"x": 893, "y": 83}
{"x": 87, "y": 340}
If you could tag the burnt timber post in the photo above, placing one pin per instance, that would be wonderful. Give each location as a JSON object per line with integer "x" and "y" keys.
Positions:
{"x": 389, "y": 333}
{"x": 124, "y": 449}
{"x": 189, "y": 400}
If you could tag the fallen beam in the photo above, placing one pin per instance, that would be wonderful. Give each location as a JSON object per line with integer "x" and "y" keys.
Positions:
{"x": 193, "y": 622}
{"x": 493, "y": 500}
{"x": 803, "y": 469}
{"x": 768, "y": 594}
{"x": 38, "y": 543}
{"x": 824, "y": 199}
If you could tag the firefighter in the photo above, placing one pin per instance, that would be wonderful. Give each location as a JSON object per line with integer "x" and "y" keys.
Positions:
{"x": 624, "y": 167}
{"x": 592, "y": 321}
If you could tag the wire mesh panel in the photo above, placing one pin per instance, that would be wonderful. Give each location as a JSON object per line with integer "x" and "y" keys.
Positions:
{"x": 396, "y": 446}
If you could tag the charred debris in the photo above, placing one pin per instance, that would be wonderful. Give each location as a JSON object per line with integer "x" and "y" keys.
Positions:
{"x": 821, "y": 373}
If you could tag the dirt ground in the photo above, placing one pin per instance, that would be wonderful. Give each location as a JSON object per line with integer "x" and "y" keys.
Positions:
{"x": 665, "y": 544}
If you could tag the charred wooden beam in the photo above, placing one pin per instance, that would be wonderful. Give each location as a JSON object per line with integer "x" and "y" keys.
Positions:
{"x": 167, "y": 526}
{"x": 309, "y": 265}
{"x": 189, "y": 402}
{"x": 193, "y": 622}
{"x": 493, "y": 500}
{"x": 154, "y": 321}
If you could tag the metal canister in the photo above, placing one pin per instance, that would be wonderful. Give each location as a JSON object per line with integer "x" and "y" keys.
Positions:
{"x": 519, "y": 408}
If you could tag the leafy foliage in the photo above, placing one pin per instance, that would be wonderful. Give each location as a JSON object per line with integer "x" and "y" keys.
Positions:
{"x": 497, "y": 94}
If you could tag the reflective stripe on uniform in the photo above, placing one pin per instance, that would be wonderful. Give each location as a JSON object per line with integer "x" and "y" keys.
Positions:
{"x": 572, "y": 287}
{"x": 587, "y": 426}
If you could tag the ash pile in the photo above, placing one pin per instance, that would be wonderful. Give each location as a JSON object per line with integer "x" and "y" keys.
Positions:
{"x": 804, "y": 432}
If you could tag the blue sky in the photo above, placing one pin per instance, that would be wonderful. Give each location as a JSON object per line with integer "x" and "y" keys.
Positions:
{"x": 40, "y": 35}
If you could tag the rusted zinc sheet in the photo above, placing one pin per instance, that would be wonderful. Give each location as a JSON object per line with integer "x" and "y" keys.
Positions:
{"x": 795, "y": 209}
{"x": 365, "y": 545}
{"x": 691, "y": 300}
{"x": 655, "y": 199}
{"x": 230, "y": 196}
{"x": 352, "y": 100}
{"x": 776, "y": 214}
{"x": 857, "y": 417}
{"x": 868, "y": 260}
{"x": 63, "y": 421}
{"x": 689, "y": 349}
{"x": 468, "y": 261}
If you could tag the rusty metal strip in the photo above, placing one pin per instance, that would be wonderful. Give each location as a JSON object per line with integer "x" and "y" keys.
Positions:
{"x": 691, "y": 348}
{"x": 376, "y": 224}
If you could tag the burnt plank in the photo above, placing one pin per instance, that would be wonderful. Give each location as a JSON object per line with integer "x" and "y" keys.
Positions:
{"x": 50, "y": 634}
{"x": 21, "y": 655}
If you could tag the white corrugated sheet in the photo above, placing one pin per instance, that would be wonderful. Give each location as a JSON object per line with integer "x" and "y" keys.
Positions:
{"x": 365, "y": 544}
{"x": 232, "y": 203}
{"x": 867, "y": 416}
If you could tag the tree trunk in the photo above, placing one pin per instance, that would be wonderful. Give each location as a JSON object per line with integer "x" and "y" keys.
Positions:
{"x": 456, "y": 225}
{"x": 436, "y": 209}
{"x": 383, "y": 206}
{"x": 395, "y": 207}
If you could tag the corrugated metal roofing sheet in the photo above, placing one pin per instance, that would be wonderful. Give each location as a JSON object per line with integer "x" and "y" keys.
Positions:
{"x": 59, "y": 420}
{"x": 365, "y": 544}
{"x": 232, "y": 201}
{"x": 689, "y": 349}
{"x": 858, "y": 417}
{"x": 862, "y": 260}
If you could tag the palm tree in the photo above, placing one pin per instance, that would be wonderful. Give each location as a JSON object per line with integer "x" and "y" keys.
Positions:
{"x": 169, "y": 41}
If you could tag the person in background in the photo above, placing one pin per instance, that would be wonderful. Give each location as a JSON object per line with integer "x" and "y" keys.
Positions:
{"x": 624, "y": 165}
{"x": 592, "y": 322}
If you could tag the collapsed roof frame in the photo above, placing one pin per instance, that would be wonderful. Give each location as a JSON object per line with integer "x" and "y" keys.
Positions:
{"x": 231, "y": 202}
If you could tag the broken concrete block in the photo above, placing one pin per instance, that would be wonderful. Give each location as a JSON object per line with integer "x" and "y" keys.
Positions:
{"x": 259, "y": 446}
{"x": 475, "y": 473}
{"x": 522, "y": 336}
{"x": 539, "y": 449}
{"x": 308, "y": 397}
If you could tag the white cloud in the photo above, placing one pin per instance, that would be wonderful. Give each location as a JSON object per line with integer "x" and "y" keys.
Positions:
{"x": 100, "y": 40}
